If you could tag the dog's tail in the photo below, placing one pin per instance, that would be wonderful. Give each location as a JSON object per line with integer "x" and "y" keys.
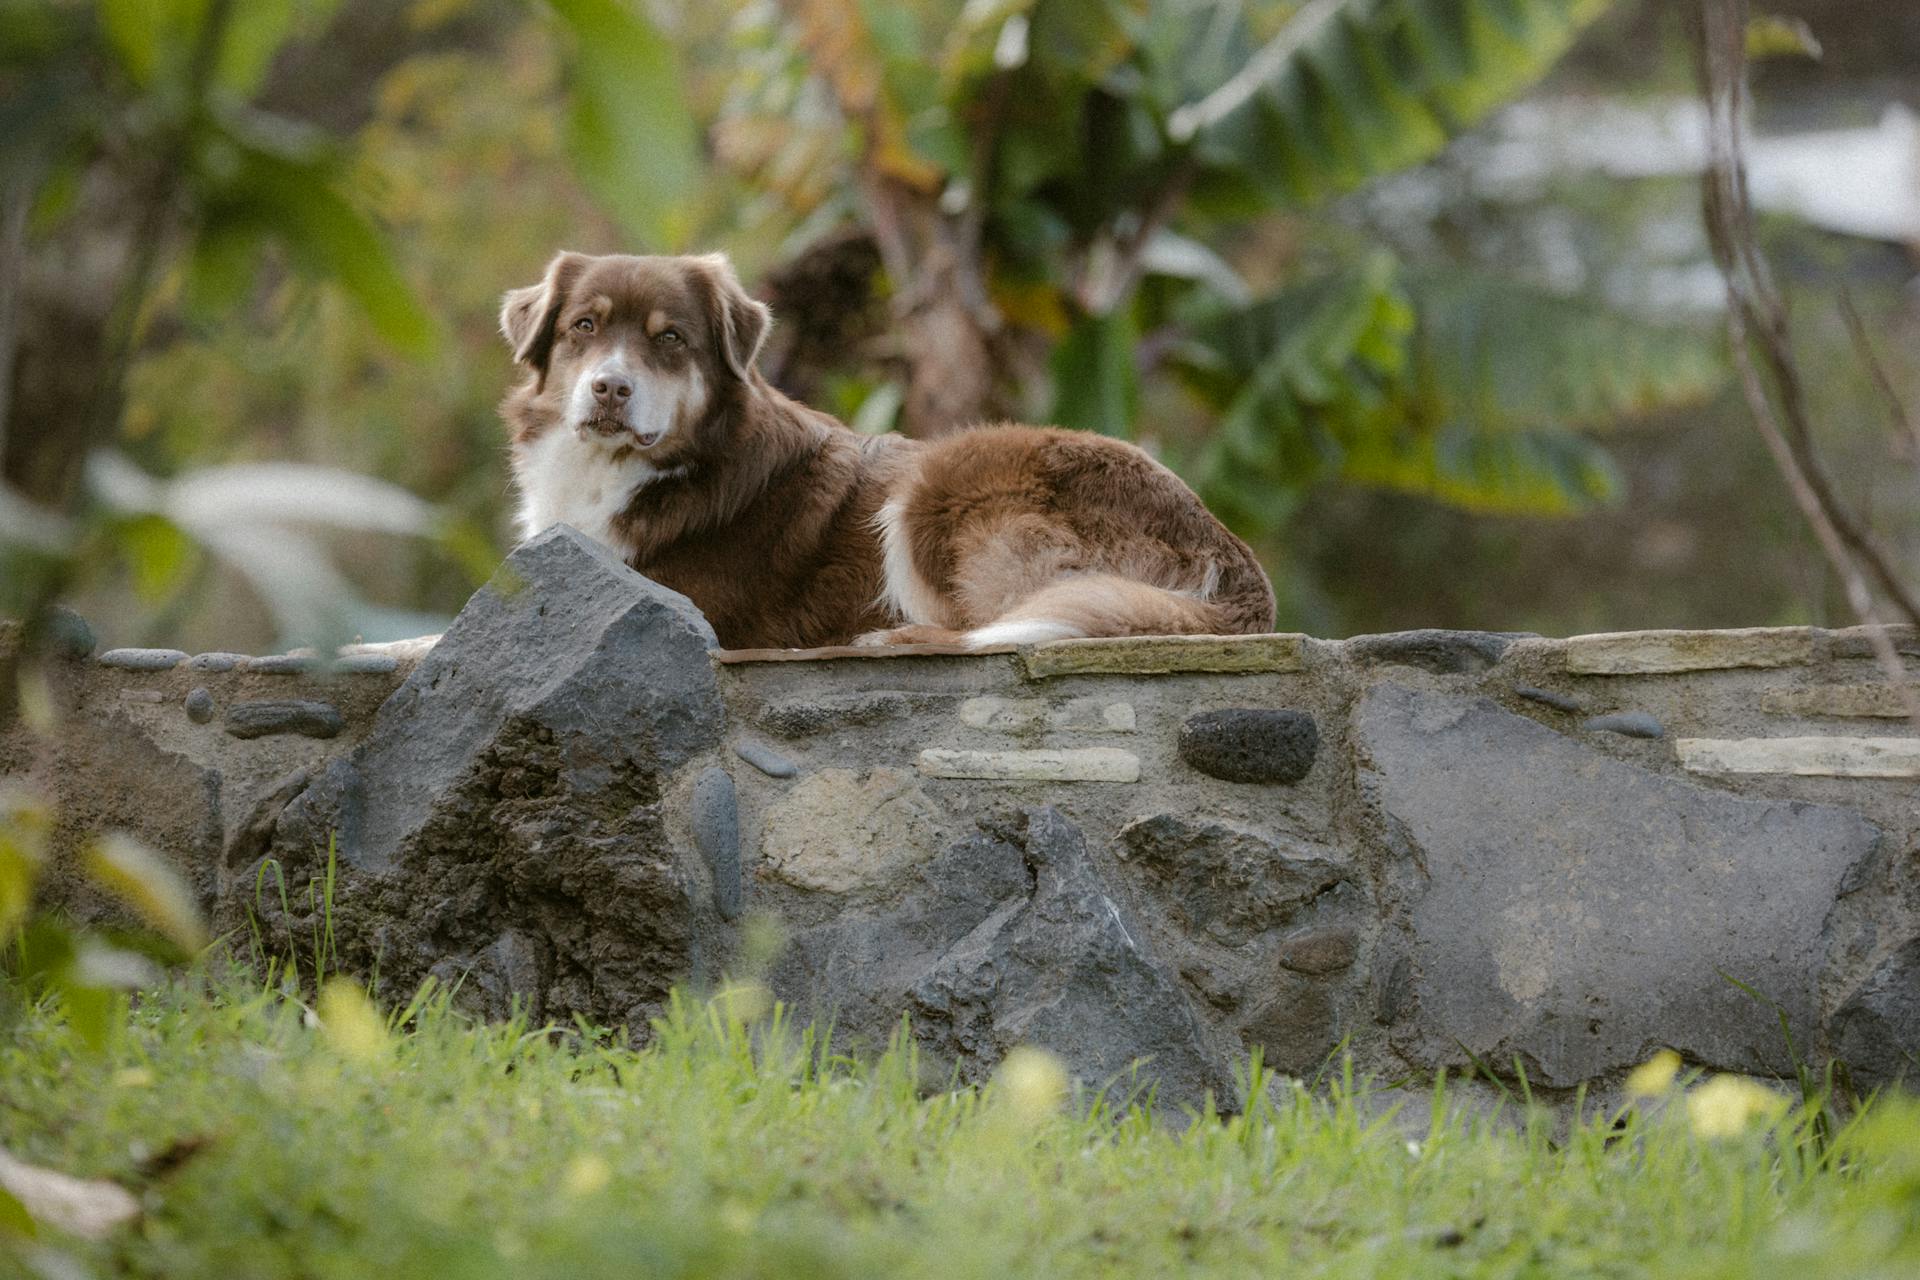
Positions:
{"x": 1107, "y": 604}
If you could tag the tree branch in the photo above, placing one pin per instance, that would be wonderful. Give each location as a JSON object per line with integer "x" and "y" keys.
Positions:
{"x": 1757, "y": 317}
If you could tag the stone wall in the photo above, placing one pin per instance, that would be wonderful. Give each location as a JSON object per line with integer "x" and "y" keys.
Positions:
{"x": 1432, "y": 849}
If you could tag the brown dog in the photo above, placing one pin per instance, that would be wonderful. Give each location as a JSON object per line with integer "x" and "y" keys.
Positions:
{"x": 642, "y": 423}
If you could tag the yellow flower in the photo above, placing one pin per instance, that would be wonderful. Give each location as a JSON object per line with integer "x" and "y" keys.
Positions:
{"x": 1033, "y": 1081}
{"x": 132, "y": 1078}
{"x": 1724, "y": 1106}
{"x": 1654, "y": 1076}
{"x": 351, "y": 1023}
{"x": 743, "y": 1001}
{"x": 586, "y": 1175}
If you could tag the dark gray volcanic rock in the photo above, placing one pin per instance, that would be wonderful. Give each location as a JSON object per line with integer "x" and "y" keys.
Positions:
{"x": 503, "y": 816}
{"x": 1579, "y": 912}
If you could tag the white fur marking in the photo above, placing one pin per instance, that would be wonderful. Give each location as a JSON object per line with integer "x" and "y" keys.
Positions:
{"x": 910, "y": 597}
{"x": 1024, "y": 631}
{"x": 564, "y": 479}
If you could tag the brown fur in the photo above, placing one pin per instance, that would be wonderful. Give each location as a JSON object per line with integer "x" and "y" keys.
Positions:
{"x": 764, "y": 512}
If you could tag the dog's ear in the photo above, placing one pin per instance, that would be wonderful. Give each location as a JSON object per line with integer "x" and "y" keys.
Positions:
{"x": 527, "y": 315}
{"x": 740, "y": 323}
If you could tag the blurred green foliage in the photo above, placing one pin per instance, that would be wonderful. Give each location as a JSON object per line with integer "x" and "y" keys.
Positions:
{"x": 1153, "y": 195}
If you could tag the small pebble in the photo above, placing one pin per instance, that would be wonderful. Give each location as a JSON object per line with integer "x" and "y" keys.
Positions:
{"x": 1546, "y": 697}
{"x": 765, "y": 759}
{"x": 1632, "y": 724}
{"x": 217, "y": 661}
{"x": 199, "y": 706}
{"x": 142, "y": 659}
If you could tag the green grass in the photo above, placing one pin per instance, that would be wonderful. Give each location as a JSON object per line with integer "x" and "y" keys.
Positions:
{"x": 264, "y": 1143}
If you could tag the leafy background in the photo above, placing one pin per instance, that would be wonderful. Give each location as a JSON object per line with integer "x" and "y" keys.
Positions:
{"x": 1253, "y": 235}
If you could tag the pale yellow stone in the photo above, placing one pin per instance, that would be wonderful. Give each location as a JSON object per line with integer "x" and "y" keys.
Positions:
{"x": 839, "y": 830}
{"x": 1853, "y": 701}
{"x": 1071, "y": 764}
{"x": 1652, "y": 652}
{"x": 1015, "y": 715}
{"x": 1161, "y": 655}
{"x": 1816, "y": 757}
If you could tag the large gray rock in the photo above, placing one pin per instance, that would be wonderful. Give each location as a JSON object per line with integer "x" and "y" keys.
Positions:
{"x": 503, "y": 816}
{"x": 1010, "y": 938}
{"x": 1578, "y": 912}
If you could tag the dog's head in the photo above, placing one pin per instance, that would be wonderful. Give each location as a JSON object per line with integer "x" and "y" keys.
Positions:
{"x": 631, "y": 351}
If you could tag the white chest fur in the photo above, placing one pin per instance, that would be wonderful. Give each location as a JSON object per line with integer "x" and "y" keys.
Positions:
{"x": 566, "y": 480}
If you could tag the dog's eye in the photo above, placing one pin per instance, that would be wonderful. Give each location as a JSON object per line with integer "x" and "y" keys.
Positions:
{"x": 583, "y": 325}
{"x": 669, "y": 338}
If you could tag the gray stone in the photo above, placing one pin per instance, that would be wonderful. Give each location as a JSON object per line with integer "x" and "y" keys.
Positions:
{"x": 365, "y": 664}
{"x": 804, "y": 717}
{"x": 1442, "y": 652}
{"x": 1250, "y": 744}
{"x": 142, "y": 659}
{"x": 1017, "y": 716}
{"x": 1222, "y": 882}
{"x": 1295, "y": 1025}
{"x": 1007, "y": 937}
{"x": 1548, "y": 698}
{"x": 1877, "y": 1030}
{"x": 284, "y": 664}
{"x": 765, "y": 759}
{"x": 1578, "y": 912}
{"x": 1061, "y": 969}
{"x": 716, "y": 830}
{"x": 514, "y": 781}
{"x": 217, "y": 661}
{"x": 199, "y": 706}
{"x": 68, "y": 634}
{"x": 1320, "y": 951}
{"x": 264, "y": 717}
{"x": 1630, "y": 724}
{"x": 842, "y": 831}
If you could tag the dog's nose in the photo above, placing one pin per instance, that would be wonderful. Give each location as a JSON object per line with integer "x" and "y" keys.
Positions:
{"x": 611, "y": 390}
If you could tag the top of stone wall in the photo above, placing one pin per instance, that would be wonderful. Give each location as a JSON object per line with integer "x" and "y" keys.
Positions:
{"x": 1609, "y": 653}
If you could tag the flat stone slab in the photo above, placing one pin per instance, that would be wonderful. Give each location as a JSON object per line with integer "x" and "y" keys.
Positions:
{"x": 1655, "y": 652}
{"x": 142, "y": 659}
{"x": 1579, "y": 912}
{"x": 1165, "y": 655}
{"x": 1880, "y": 701}
{"x": 1810, "y": 757}
{"x": 1071, "y": 764}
